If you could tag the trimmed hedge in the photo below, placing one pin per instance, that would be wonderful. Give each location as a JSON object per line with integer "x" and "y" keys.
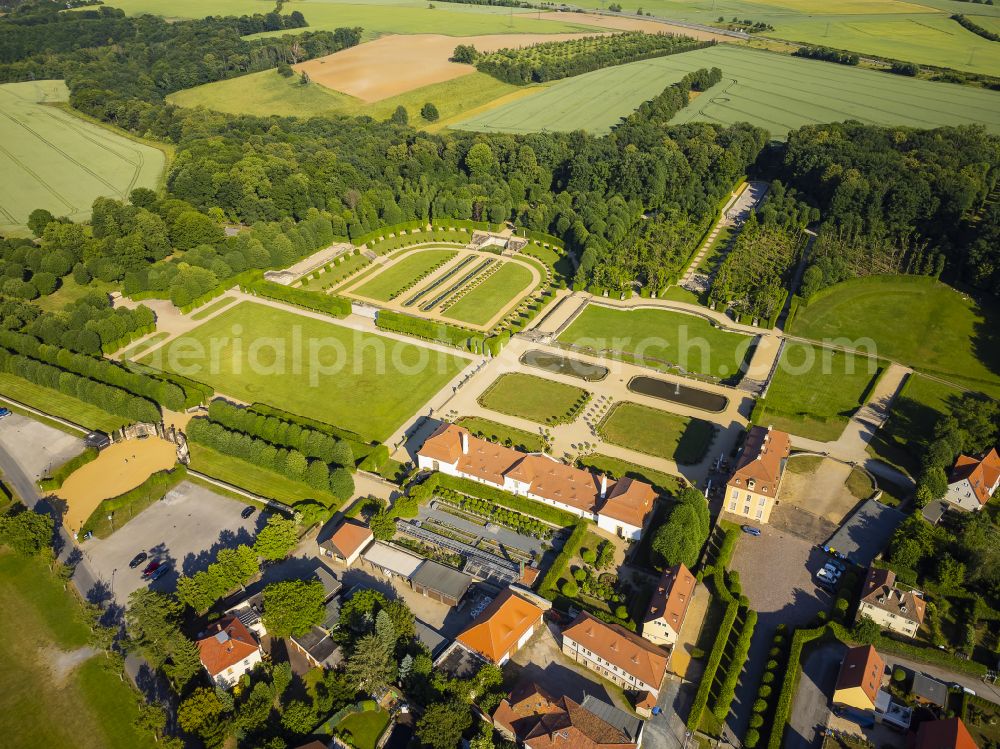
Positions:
{"x": 135, "y": 500}
{"x": 326, "y": 303}
{"x": 736, "y": 661}
{"x": 548, "y": 586}
{"x": 783, "y": 708}
{"x": 55, "y": 480}
{"x": 552, "y": 515}
{"x": 430, "y": 330}
{"x": 712, "y": 667}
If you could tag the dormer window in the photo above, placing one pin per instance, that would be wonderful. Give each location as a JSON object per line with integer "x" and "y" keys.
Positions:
{"x": 751, "y": 483}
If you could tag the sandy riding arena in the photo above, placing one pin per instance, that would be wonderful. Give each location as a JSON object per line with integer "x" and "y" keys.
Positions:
{"x": 117, "y": 469}
{"x": 632, "y": 24}
{"x": 396, "y": 64}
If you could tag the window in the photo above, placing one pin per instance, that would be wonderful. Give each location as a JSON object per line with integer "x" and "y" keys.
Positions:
{"x": 736, "y": 493}
{"x": 760, "y": 514}
{"x": 732, "y": 506}
{"x": 751, "y": 484}
{"x": 749, "y": 496}
{"x": 746, "y": 510}
{"x": 763, "y": 501}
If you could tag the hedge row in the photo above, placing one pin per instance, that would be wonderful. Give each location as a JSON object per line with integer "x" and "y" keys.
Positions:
{"x": 451, "y": 335}
{"x": 548, "y": 586}
{"x": 727, "y": 691}
{"x": 549, "y": 514}
{"x": 360, "y": 446}
{"x": 761, "y": 716}
{"x": 56, "y": 478}
{"x": 115, "y": 400}
{"x": 929, "y": 655}
{"x": 311, "y": 300}
{"x": 503, "y": 516}
{"x": 783, "y": 708}
{"x": 712, "y": 666}
{"x": 135, "y": 500}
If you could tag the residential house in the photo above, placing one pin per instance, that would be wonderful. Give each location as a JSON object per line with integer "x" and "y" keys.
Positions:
{"x": 860, "y": 679}
{"x": 753, "y": 487}
{"x": 890, "y": 607}
{"x": 929, "y": 691}
{"x": 228, "y": 650}
{"x": 950, "y": 733}
{"x": 618, "y": 655}
{"x": 621, "y": 507}
{"x": 503, "y": 627}
{"x": 346, "y": 542}
{"x": 668, "y": 606}
{"x": 974, "y": 480}
{"x": 531, "y": 716}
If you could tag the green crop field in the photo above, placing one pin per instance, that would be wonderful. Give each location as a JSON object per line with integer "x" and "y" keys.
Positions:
{"x": 374, "y": 16}
{"x": 658, "y": 433}
{"x": 52, "y": 159}
{"x": 366, "y": 383}
{"x": 815, "y": 391}
{"x": 687, "y": 340}
{"x": 777, "y": 92}
{"x": 390, "y": 282}
{"x": 89, "y": 707}
{"x": 916, "y": 321}
{"x": 534, "y": 398}
{"x": 481, "y": 305}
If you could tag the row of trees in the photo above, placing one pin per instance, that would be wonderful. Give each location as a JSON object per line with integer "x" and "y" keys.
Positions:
{"x": 112, "y": 399}
{"x": 310, "y": 442}
{"x": 550, "y": 61}
{"x": 290, "y": 463}
{"x": 830, "y": 55}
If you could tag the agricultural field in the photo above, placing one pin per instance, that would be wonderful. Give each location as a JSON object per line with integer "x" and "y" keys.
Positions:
{"x": 54, "y": 160}
{"x": 916, "y": 321}
{"x": 366, "y": 383}
{"x": 655, "y": 336}
{"x": 815, "y": 391}
{"x": 80, "y": 704}
{"x": 484, "y": 302}
{"x": 397, "y": 278}
{"x": 777, "y": 92}
{"x": 534, "y": 398}
{"x": 658, "y": 433}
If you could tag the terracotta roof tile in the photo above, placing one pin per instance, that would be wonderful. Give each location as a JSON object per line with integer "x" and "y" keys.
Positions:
{"x": 862, "y": 668}
{"x": 672, "y": 597}
{"x": 624, "y": 649}
{"x": 761, "y": 460}
{"x": 227, "y": 643}
{"x": 982, "y": 473}
{"x": 944, "y": 734}
{"x": 348, "y": 537}
{"x": 501, "y": 624}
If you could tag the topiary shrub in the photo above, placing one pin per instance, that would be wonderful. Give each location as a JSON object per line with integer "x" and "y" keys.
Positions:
{"x": 760, "y": 706}
{"x": 752, "y": 738}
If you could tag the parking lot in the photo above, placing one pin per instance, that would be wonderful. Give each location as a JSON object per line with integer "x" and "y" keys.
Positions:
{"x": 35, "y": 446}
{"x": 185, "y": 529}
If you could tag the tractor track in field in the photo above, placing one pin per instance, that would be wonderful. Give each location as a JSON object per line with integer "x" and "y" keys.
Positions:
{"x": 58, "y": 196}
{"x": 102, "y": 144}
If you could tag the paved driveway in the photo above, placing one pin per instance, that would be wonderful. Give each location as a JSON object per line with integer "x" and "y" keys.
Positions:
{"x": 811, "y": 707}
{"x": 185, "y": 529}
{"x": 35, "y": 446}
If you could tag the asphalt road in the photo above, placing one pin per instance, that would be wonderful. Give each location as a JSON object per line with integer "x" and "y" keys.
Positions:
{"x": 812, "y": 697}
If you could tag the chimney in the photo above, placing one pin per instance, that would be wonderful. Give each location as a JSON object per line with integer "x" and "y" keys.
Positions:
{"x": 465, "y": 443}
{"x": 604, "y": 485}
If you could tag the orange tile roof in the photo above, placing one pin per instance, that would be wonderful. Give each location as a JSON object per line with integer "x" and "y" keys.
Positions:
{"x": 672, "y": 597}
{"x": 944, "y": 734}
{"x": 575, "y": 727}
{"x": 760, "y": 460}
{"x": 500, "y": 626}
{"x": 349, "y": 537}
{"x": 624, "y": 649}
{"x": 519, "y": 712}
{"x": 627, "y": 499}
{"x": 879, "y": 590}
{"x": 862, "y": 667}
{"x": 228, "y": 642}
{"x": 982, "y": 473}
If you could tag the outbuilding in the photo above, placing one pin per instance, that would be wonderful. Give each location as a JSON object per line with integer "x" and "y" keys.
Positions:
{"x": 441, "y": 583}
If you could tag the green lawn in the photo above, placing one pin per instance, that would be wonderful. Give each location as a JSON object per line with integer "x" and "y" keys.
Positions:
{"x": 916, "y": 321}
{"x": 213, "y": 307}
{"x": 815, "y": 391}
{"x": 663, "y": 482}
{"x": 246, "y": 476}
{"x": 70, "y": 291}
{"x": 364, "y": 727}
{"x": 58, "y": 404}
{"x": 401, "y": 275}
{"x": 482, "y": 304}
{"x": 134, "y": 351}
{"x": 54, "y": 160}
{"x": 716, "y": 250}
{"x": 333, "y": 276}
{"x": 92, "y": 707}
{"x": 366, "y": 383}
{"x": 658, "y": 433}
{"x": 777, "y": 92}
{"x": 916, "y": 410}
{"x": 501, "y": 433}
{"x": 534, "y": 398}
{"x": 660, "y": 336}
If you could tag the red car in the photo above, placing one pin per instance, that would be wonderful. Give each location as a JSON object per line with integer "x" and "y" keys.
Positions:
{"x": 151, "y": 568}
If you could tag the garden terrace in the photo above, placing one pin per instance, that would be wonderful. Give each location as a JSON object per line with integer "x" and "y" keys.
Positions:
{"x": 504, "y": 435}
{"x": 658, "y": 433}
{"x": 534, "y": 398}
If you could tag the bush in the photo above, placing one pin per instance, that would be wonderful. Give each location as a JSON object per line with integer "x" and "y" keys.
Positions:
{"x": 589, "y": 556}
{"x": 759, "y": 706}
{"x": 727, "y": 691}
{"x": 311, "y": 300}
{"x": 756, "y": 720}
{"x": 712, "y": 666}
{"x": 898, "y": 675}
{"x": 63, "y": 472}
{"x": 430, "y": 330}
{"x": 764, "y": 692}
{"x": 429, "y": 112}
{"x": 752, "y": 738}
{"x": 570, "y": 589}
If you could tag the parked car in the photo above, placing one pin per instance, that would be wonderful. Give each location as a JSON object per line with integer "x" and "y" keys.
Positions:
{"x": 248, "y": 511}
{"x": 751, "y": 530}
{"x": 151, "y": 568}
{"x": 4, "y": 412}
{"x": 159, "y": 572}
{"x": 138, "y": 559}
{"x": 837, "y": 565}
{"x": 826, "y": 576}
{"x": 834, "y": 571}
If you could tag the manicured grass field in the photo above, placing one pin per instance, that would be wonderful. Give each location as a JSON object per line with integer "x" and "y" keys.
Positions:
{"x": 336, "y": 273}
{"x": 534, "y": 398}
{"x": 662, "y": 482}
{"x": 364, "y": 727}
{"x": 916, "y": 410}
{"x": 391, "y": 281}
{"x": 358, "y": 381}
{"x": 51, "y": 159}
{"x": 482, "y": 304}
{"x": 815, "y": 391}
{"x": 134, "y": 351}
{"x": 211, "y": 308}
{"x": 501, "y": 433}
{"x": 916, "y": 321}
{"x": 91, "y": 708}
{"x": 777, "y": 92}
{"x": 687, "y": 340}
{"x": 658, "y": 433}
{"x": 58, "y": 404}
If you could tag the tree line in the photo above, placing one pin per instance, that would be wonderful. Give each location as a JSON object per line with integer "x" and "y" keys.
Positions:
{"x": 830, "y": 55}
